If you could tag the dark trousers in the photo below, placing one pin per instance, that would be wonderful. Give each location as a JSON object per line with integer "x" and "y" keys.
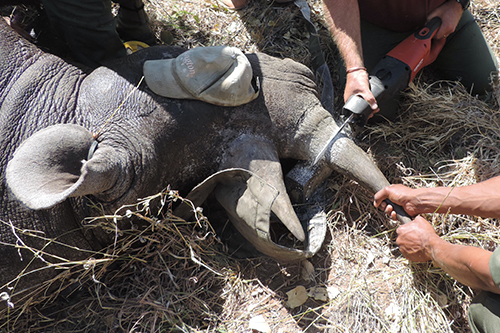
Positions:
{"x": 89, "y": 29}
{"x": 484, "y": 313}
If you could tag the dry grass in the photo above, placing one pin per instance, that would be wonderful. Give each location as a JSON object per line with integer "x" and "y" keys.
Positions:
{"x": 177, "y": 276}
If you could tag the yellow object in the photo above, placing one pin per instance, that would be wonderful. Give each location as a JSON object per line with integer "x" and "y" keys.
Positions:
{"x": 134, "y": 45}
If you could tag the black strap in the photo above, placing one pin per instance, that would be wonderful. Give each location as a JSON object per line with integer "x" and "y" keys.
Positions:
{"x": 318, "y": 60}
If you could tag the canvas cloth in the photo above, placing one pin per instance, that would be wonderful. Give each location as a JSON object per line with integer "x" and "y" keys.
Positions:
{"x": 248, "y": 201}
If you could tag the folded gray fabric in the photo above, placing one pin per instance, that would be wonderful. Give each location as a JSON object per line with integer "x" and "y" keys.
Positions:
{"x": 248, "y": 200}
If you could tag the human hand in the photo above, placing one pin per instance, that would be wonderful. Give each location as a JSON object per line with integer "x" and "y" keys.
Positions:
{"x": 357, "y": 84}
{"x": 400, "y": 195}
{"x": 414, "y": 239}
{"x": 450, "y": 13}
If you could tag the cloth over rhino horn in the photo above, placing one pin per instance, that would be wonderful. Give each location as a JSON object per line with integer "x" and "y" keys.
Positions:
{"x": 248, "y": 200}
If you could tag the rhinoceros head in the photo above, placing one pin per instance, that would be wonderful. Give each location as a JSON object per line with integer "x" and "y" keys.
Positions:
{"x": 65, "y": 160}
{"x": 153, "y": 142}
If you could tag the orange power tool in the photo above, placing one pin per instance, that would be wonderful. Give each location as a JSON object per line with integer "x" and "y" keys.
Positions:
{"x": 396, "y": 70}
{"x": 390, "y": 76}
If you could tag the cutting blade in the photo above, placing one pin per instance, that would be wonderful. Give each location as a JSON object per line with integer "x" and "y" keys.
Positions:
{"x": 333, "y": 138}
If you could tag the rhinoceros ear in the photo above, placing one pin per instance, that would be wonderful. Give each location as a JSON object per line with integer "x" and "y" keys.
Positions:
{"x": 52, "y": 165}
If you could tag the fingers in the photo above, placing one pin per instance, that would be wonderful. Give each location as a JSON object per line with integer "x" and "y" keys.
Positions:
{"x": 380, "y": 196}
{"x": 443, "y": 32}
{"x": 389, "y": 211}
{"x": 413, "y": 240}
{"x": 391, "y": 200}
{"x": 370, "y": 99}
{"x": 450, "y": 13}
{"x": 358, "y": 84}
{"x": 368, "y": 96}
{"x": 379, "y": 203}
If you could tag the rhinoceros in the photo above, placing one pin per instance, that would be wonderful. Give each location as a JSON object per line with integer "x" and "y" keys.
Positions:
{"x": 53, "y": 163}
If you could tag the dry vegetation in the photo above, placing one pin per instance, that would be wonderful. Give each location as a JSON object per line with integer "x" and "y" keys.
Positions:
{"x": 178, "y": 276}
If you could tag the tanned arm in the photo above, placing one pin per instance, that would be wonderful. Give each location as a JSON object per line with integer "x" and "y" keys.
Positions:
{"x": 469, "y": 265}
{"x": 343, "y": 19}
{"x": 481, "y": 199}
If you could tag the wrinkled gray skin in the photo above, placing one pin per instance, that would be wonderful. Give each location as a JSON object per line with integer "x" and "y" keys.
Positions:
{"x": 151, "y": 142}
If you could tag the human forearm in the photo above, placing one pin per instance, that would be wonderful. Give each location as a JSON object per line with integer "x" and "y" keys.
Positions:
{"x": 481, "y": 199}
{"x": 343, "y": 20}
{"x": 468, "y": 265}
{"x": 419, "y": 242}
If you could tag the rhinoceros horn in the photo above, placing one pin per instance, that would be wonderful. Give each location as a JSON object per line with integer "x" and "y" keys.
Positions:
{"x": 52, "y": 165}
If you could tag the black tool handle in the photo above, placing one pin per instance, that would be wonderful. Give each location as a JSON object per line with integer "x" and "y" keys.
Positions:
{"x": 430, "y": 29}
{"x": 402, "y": 215}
